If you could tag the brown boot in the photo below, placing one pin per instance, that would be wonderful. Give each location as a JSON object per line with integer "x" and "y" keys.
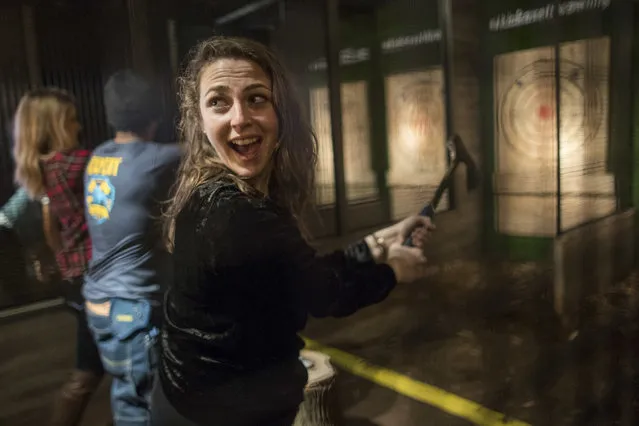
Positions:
{"x": 73, "y": 398}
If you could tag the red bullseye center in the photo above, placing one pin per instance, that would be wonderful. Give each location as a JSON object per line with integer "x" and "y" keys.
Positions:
{"x": 544, "y": 112}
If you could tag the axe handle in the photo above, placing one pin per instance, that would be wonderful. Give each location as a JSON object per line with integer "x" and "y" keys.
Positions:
{"x": 429, "y": 209}
{"x": 443, "y": 185}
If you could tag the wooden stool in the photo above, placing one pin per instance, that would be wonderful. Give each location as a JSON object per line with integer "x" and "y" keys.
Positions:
{"x": 320, "y": 406}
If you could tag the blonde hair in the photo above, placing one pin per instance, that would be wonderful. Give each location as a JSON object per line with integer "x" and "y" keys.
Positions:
{"x": 40, "y": 128}
{"x": 292, "y": 179}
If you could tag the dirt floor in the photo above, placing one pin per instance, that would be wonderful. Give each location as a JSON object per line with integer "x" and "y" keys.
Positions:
{"x": 486, "y": 332}
{"x": 489, "y": 334}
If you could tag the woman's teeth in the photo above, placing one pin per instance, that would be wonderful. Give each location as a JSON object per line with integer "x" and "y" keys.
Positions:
{"x": 246, "y": 146}
{"x": 245, "y": 141}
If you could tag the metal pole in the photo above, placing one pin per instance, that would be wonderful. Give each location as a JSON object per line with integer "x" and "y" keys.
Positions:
{"x": 558, "y": 111}
{"x": 335, "y": 103}
{"x": 446, "y": 49}
{"x": 445, "y": 26}
{"x": 171, "y": 31}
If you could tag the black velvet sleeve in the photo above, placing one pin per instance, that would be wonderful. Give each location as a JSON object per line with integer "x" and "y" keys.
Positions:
{"x": 241, "y": 232}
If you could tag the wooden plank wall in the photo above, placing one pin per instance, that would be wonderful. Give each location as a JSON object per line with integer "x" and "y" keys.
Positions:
{"x": 49, "y": 45}
{"x": 74, "y": 46}
{"x": 73, "y": 63}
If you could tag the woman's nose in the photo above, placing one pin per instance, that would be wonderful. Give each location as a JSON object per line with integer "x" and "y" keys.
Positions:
{"x": 240, "y": 117}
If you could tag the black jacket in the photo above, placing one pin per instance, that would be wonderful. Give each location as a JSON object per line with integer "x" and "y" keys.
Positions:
{"x": 244, "y": 283}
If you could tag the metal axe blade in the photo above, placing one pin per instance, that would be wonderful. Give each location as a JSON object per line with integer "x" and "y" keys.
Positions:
{"x": 462, "y": 155}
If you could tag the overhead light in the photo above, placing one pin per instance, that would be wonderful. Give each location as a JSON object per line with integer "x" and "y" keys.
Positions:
{"x": 243, "y": 11}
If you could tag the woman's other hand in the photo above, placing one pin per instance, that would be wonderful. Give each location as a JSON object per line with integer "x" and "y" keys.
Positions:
{"x": 417, "y": 227}
{"x": 408, "y": 263}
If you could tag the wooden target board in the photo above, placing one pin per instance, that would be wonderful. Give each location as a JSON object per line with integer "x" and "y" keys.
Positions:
{"x": 415, "y": 117}
{"x": 321, "y": 121}
{"x": 527, "y": 144}
{"x": 360, "y": 179}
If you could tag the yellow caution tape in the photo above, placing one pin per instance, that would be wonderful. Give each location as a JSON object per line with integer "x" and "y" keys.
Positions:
{"x": 445, "y": 401}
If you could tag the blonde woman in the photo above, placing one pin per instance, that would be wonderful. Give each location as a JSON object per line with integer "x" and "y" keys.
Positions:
{"x": 50, "y": 167}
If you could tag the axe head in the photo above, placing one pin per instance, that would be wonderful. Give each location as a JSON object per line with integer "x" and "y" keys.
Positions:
{"x": 462, "y": 155}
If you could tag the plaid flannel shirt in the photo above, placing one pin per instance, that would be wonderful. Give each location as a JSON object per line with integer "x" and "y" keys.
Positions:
{"x": 63, "y": 175}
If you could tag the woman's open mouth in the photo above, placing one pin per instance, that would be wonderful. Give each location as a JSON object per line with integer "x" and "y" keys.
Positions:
{"x": 248, "y": 148}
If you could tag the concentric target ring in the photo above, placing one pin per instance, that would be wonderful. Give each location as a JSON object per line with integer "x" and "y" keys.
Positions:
{"x": 527, "y": 111}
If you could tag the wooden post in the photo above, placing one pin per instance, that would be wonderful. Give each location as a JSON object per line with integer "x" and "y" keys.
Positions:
{"x": 320, "y": 406}
{"x": 140, "y": 32}
{"x": 31, "y": 46}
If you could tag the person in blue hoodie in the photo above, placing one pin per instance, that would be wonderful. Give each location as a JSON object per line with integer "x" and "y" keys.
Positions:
{"x": 126, "y": 181}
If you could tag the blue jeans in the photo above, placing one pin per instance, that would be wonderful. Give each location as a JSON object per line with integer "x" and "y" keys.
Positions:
{"x": 127, "y": 341}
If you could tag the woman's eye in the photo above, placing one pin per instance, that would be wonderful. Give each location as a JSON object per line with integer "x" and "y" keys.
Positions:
{"x": 216, "y": 103}
{"x": 258, "y": 99}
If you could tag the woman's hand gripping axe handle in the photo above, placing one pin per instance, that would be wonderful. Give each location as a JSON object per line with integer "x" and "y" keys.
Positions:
{"x": 458, "y": 154}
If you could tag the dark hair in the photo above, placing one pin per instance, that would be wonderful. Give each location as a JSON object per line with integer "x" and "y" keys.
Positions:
{"x": 130, "y": 102}
{"x": 292, "y": 179}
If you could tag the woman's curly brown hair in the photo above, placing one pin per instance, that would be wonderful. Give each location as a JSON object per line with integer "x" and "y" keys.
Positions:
{"x": 292, "y": 178}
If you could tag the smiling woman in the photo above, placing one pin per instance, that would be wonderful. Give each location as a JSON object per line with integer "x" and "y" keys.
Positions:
{"x": 245, "y": 279}
{"x": 234, "y": 90}
{"x": 239, "y": 118}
